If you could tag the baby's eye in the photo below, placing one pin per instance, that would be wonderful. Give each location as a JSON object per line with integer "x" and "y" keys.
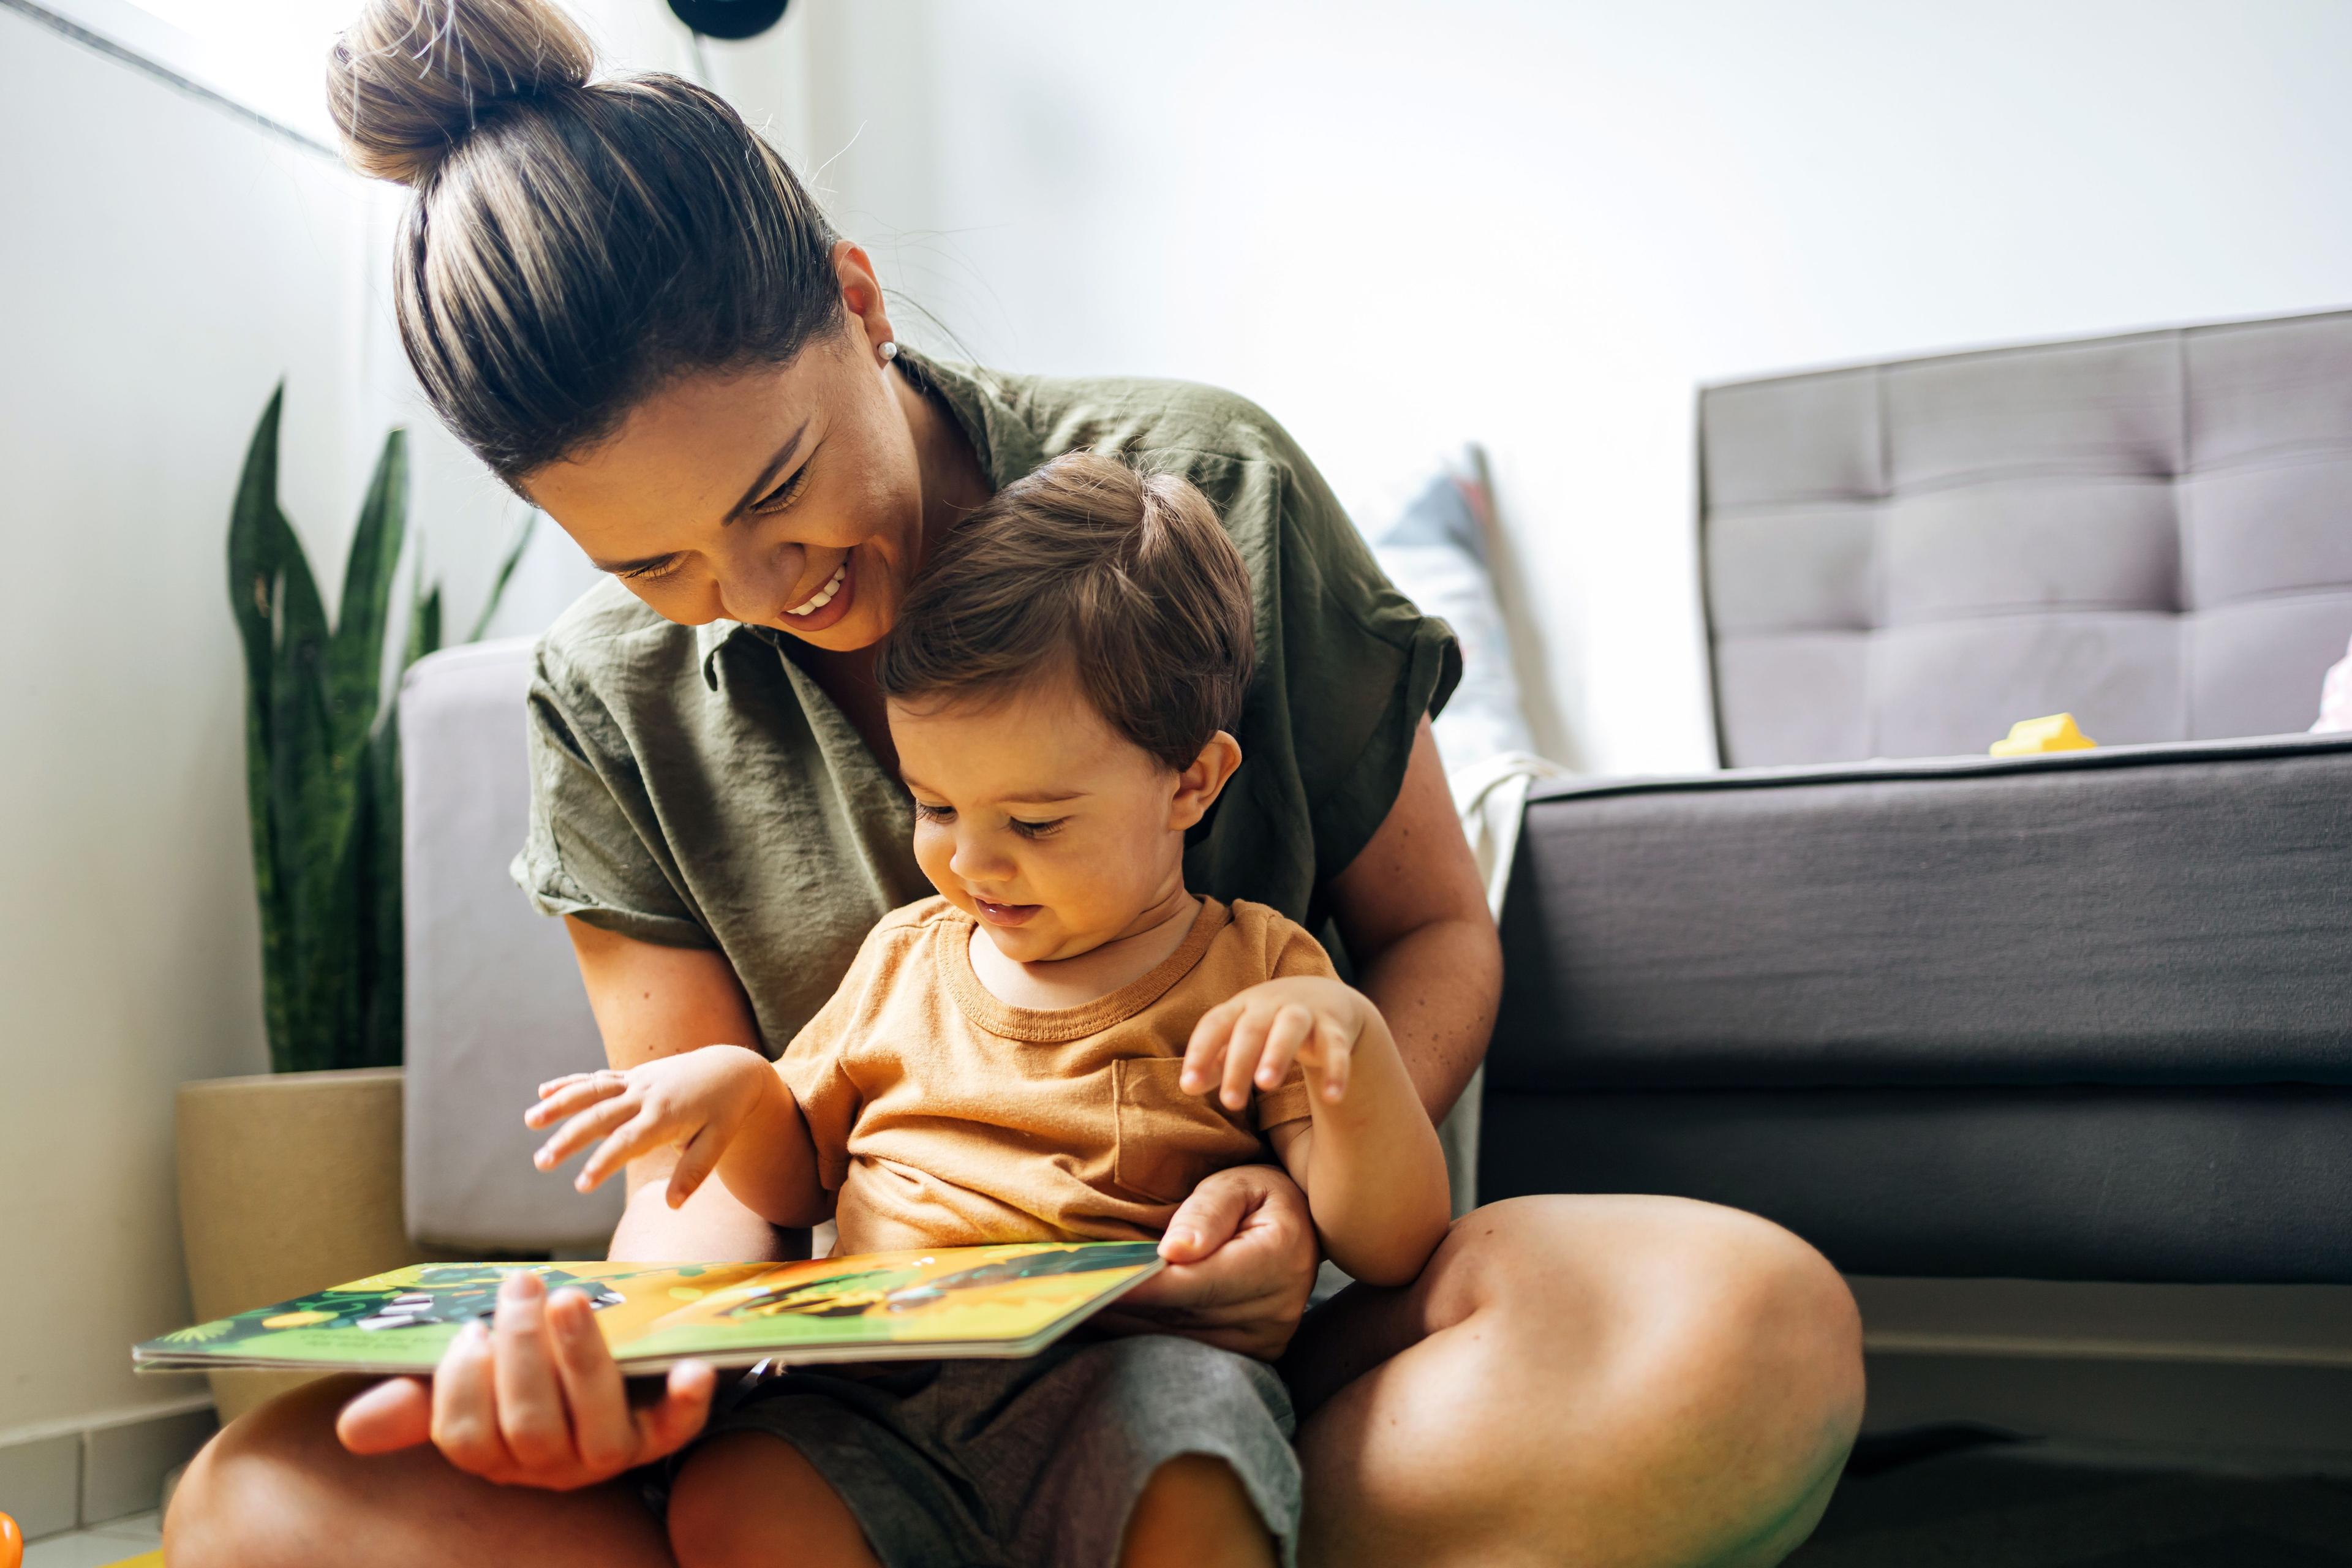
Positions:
{"x": 1038, "y": 829}
{"x": 934, "y": 812}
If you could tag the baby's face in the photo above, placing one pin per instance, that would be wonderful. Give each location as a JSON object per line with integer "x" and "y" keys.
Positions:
{"x": 1041, "y": 822}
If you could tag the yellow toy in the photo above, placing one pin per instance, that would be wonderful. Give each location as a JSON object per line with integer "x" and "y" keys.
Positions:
{"x": 2058, "y": 732}
{"x": 11, "y": 1542}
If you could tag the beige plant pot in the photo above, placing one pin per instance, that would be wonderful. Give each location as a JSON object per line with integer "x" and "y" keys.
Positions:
{"x": 289, "y": 1183}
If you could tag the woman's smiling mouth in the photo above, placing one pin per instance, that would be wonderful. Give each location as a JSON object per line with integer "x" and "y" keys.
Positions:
{"x": 825, "y": 595}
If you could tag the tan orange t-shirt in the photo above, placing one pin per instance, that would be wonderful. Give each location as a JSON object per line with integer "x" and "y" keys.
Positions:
{"x": 944, "y": 1117}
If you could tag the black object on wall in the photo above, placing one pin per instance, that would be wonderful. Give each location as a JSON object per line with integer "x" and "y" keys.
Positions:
{"x": 728, "y": 18}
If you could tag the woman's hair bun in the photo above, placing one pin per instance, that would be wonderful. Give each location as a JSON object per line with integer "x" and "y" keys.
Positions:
{"x": 410, "y": 78}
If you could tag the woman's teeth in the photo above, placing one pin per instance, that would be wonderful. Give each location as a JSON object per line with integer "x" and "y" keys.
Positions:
{"x": 824, "y": 595}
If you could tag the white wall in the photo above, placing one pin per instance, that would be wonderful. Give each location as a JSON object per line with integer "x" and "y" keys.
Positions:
{"x": 1541, "y": 225}
{"x": 165, "y": 264}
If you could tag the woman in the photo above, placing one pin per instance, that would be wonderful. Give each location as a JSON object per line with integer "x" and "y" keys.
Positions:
{"x": 626, "y": 304}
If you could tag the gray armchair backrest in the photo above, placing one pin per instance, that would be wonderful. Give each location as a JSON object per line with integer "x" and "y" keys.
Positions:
{"x": 493, "y": 998}
{"x": 2152, "y": 532}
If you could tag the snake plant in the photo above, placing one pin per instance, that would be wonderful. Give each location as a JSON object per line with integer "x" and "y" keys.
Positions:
{"x": 323, "y": 761}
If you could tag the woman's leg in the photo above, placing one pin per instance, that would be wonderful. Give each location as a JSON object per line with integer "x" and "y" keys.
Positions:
{"x": 276, "y": 1489}
{"x": 1608, "y": 1381}
{"x": 1195, "y": 1512}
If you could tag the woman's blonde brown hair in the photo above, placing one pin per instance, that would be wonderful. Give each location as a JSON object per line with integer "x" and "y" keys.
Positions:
{"x": 571, "y": 242}
{"x": 1124, "y": 581}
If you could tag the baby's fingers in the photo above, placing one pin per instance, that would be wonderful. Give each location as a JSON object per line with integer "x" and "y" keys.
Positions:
{"x": 642, "y": 1135}
{"x": 563, "y": 1096}
{"x": 583, "y": 1130}
{"x": 1204, "y": 1054}
{"x": 1292, "y": 1028}
{"x": 1330, "y": 1059}
{"x": 1242, "y": 1055}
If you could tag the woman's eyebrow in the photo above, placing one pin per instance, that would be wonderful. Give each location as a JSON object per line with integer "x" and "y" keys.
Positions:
{"x": 775, "y": 464}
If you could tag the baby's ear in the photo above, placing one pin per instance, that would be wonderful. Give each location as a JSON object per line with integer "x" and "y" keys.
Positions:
{"x": 1198, "y": 786}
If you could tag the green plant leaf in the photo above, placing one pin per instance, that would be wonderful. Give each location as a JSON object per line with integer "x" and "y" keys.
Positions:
{"x": 355, "y": 657}
{"x": 506, "y": 575}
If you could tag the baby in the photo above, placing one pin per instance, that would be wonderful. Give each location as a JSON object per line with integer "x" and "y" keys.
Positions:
{"x": 1058, "y": 1046}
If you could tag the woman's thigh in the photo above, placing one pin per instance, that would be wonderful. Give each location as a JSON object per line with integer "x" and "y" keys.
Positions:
{"x": 1620, "y": 1381}
{"x": 275, "y": 1490}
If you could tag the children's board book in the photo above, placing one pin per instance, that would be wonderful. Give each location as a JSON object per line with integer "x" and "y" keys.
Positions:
{"x": 950, "y": 1301}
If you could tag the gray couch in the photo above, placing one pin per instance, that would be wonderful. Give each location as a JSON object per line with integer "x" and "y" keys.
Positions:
{"x": 2077, "y": 1017}
{"x": 2087, "y": 1015}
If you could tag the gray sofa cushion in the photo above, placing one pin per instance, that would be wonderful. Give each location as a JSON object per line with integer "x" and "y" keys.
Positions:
{"x": 2151, "y": 915}
{"x": 494, "y": 1001}
{"x": 2249, "y": 1186}
{"x": 2151, "y": 532}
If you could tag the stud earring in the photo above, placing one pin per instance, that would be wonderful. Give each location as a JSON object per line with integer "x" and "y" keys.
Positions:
{"x": 889, "y": 349}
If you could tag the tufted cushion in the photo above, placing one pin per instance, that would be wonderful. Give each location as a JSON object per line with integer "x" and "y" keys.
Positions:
{"x": 2151, "y": 532}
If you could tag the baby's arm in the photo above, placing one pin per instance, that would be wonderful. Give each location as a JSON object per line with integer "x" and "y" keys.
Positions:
{"x": 725, "y": 1105}
{"x": 1369, "y": 1159}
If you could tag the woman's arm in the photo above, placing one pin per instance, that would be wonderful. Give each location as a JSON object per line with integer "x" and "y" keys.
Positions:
{"x": 652, "y": 1002}
{"x": 1413, "y": 914}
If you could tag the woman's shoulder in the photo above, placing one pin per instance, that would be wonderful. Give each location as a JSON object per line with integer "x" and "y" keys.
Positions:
{"x": 1180, "y": 424}
{"x": 612, "y": 644}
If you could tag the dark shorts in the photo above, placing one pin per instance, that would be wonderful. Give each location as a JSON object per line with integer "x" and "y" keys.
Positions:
{"x": 1034, "y": 1463}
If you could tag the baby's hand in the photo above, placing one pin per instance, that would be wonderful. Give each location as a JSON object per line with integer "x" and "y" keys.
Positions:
{"x": 1255, "y": 1036}
{"x": 696, "y": 1100}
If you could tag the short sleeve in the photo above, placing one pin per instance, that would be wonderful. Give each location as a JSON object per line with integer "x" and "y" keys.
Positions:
{"x": 586, "y": 853}
{"x": 816, "y": 1066}
{"x": 1360, "y": 667}
{"x": 1299, "y": 953}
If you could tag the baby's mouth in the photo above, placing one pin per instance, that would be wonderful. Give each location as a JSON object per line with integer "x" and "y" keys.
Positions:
{"x": 824, "y": 596}
{"x": 998, "y": 914}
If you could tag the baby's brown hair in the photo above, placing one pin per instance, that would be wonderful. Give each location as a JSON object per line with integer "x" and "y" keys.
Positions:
{"x": 1124, "y": 579}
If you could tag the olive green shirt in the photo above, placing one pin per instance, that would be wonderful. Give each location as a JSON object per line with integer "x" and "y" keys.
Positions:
{"x": 694, "y": 786}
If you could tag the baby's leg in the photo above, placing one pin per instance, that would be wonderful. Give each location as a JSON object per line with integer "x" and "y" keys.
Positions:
{"x": 1194, "y": 1513}
{"x": 745, "y": 1499}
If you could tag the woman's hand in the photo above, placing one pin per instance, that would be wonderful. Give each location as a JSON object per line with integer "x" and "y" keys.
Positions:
{"x": 695, "y": 1102}
{"x": 535, "y": 1400}
{"x": 1241, "y": 1264}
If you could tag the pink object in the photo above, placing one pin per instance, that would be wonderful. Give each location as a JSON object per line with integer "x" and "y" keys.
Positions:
{"x": 2336, "y": 698}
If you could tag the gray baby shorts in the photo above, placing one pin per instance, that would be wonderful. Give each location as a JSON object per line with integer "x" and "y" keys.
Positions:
{"x": 1034, "y": 1463}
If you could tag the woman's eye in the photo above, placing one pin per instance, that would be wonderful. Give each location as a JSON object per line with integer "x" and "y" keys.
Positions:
{"x": 657, "y": 572}
{"x": 934, "y": 812}
{"x": 1038, "y": 829}
{"x": 783, "y": 495}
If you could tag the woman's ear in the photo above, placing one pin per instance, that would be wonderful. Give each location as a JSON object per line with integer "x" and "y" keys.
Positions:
{"x": 861, "y": 295}
{"x": 1198, "y": 786}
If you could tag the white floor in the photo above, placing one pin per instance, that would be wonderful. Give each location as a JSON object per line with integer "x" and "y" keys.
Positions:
{"x": 100, "y": 1546}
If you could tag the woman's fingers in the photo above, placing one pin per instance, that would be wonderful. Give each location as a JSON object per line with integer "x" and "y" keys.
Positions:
{"x": 394, "y": 1414}
{"x": 465, "y": 1408}
{"x": 667, "y": 1424}
{"x": 642, "y": 1133}
{"x": 1293, "y": 1026}
{"x": 603, "y": 1431}
{"x": 585, "y": 1128}
{"x": 1203, "y": 1222}
{"x": 1241, "y": 1054}
{"x": 530, "y": 1413}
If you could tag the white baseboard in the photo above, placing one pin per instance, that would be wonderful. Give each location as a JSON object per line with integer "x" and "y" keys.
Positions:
{"x": 61, "y": 1475}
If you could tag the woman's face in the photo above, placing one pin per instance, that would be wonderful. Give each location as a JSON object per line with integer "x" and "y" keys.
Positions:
{"x": 788, "y": 496}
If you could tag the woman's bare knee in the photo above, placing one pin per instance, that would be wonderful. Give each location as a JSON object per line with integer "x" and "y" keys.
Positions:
{"x": 1195, "y": 1512}
{"x": 277, "y": 1489}
{"x": 749, "y": 1500}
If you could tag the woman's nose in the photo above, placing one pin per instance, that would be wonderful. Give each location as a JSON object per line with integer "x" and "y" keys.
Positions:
{"x": 755, "y": 583}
